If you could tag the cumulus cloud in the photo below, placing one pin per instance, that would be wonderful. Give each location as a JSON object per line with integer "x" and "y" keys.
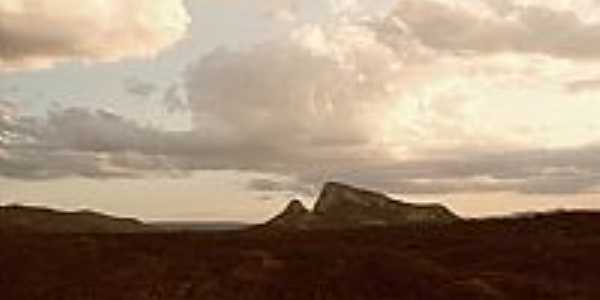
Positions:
{"x": 292, "y": 93}
{"x": 41, "y": 33}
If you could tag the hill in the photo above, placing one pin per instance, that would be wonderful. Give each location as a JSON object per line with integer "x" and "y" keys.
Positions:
{"x": 28, "y": 219}
{"x": 540, "y": 256}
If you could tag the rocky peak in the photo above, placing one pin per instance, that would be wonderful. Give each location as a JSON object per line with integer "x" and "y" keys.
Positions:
{"x": 343, "y": 206}
{"x": 335, "y": 194}
{"x": 293, "y": 215}
{"x": 295, "y": 207}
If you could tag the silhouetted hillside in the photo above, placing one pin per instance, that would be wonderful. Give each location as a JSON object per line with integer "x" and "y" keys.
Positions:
{"x": 343, "y": 206}
{"x": 547, "y": 256}
{"x": 27, "y": 219}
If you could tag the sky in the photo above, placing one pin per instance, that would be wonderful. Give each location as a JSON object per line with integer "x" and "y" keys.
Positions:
{"x": 225, "y": 110}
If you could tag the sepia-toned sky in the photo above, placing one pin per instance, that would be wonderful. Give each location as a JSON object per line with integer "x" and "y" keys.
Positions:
{"x": 224, "y": 110}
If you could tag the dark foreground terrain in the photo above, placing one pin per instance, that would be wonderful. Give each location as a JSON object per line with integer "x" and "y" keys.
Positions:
{"x": 535, "y": 257}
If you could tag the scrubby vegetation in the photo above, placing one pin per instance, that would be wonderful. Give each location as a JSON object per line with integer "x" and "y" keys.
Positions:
{"x": 531, "y": 257}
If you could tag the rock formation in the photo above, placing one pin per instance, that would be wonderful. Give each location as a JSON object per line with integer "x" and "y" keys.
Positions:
{"x": 342, "y": 206}
{"x": 294, "y": 215}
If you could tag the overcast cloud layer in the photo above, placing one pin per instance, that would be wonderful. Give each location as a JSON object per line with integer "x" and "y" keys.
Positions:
{"x": 435, "y": 97}
{"x": 41, "y": 33}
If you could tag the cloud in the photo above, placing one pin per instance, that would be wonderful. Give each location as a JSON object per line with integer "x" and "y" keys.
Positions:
{"x": 566, "y": 29}
{"x": 8, "y": 113}
{"x": 73, "y": 142}
{"x": 280, "y": 10}
{"x": 384, "y": 102}
{"x": 281, "y": 185}
{"x": 99, "y": 144}
{"x": 173, "y": 100}
{"x": 139, "y": 87}
{"x": 296, "y": 102}
{"x": 41, "y": 33}
{"x": 103, "y": 145}
{"x": 583, "y": 85}
{"x": 315, "y": 105}
{"x": 533, "y": 171}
